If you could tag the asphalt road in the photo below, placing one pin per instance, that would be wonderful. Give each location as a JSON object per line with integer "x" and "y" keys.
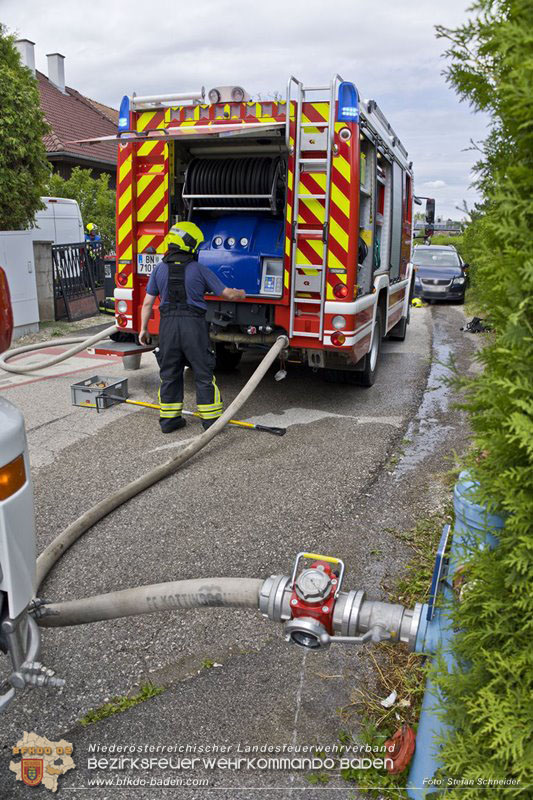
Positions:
{"x": 244, "y": 507}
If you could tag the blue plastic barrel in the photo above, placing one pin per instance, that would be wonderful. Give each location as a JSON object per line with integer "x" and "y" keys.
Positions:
{"x": 475, "y": 528}
{"x": 474, "y": 525}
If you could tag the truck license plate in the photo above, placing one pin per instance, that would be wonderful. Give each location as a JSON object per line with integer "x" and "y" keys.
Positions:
{"x": 147, "y": 262}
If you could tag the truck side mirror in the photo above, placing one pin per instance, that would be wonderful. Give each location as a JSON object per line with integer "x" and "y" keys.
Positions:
{"x": 430, "y": 216}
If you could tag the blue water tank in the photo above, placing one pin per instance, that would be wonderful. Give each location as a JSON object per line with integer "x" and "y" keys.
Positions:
{"x": 475, "y": 528}
{"x": 236, "y": 246}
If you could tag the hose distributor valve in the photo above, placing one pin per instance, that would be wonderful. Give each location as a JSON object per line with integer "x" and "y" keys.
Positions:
{"x": 316, "y": 613}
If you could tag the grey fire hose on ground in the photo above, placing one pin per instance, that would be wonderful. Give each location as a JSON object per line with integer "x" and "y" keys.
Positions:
{"x": 80, "y": 343}
{"x": 195, "y": 593}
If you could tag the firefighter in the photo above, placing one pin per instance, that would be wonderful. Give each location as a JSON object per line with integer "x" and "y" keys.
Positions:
{"x": 92, "y": 233}
{"x": 181, "y": 281}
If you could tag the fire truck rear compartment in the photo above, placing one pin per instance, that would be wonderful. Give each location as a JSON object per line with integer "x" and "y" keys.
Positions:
{"x": 235, "y": 192}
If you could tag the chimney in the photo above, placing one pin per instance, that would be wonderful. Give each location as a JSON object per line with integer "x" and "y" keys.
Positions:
{"x": 27, "y": 53}
{"x": 56, "y": 70}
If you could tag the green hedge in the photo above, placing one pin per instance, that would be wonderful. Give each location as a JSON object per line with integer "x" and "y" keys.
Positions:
{"x": 490, "y": 703}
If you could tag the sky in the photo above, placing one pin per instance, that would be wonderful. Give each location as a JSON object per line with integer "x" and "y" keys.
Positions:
{"x": 386, "y": 47}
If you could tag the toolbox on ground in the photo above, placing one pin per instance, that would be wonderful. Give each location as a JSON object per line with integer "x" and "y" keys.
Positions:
{"x": 93, "y": 391}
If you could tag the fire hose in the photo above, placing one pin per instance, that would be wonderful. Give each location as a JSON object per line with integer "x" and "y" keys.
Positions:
{"x": 345, "y": 615}
{"x": 80, "y": 343}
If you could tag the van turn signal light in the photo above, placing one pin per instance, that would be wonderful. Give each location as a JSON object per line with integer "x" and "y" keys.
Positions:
{"x": 12, "y": 477}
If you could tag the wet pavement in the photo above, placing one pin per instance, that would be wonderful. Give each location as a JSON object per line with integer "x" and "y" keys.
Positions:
{"x": 428, "y": 428}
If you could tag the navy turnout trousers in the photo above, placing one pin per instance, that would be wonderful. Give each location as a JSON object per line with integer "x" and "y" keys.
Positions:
{"x": 184, "y": 339}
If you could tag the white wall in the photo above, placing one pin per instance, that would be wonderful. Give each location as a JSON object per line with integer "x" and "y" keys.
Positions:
{"x": 16, "y": 257}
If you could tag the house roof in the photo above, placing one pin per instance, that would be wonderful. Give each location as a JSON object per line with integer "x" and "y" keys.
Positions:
{"x": 107, "y": 111}
{"x": 72, "y": 116}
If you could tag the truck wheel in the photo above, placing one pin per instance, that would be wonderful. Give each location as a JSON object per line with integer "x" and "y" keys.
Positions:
{"x": 371, "y": 361}
{"x": 226, "y": 359}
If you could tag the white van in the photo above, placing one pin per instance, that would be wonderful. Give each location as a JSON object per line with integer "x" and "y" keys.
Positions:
{"x": 60, "y": 222}
{"x": 17, "y": 526}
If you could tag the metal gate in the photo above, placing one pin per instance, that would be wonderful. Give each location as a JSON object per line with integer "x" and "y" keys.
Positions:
{"x": 76, "y": 280}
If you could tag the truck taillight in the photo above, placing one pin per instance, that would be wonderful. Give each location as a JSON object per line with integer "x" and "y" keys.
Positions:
{"x": 340, "y": 290}
{"x": 122, "y": 278}
{"x": 12, "y": 477}
{"x": 121, "y": 320}
{"x": 338, "y": 339}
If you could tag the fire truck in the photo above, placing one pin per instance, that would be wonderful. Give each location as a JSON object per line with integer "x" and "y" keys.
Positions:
{"x": 305, "y": 203}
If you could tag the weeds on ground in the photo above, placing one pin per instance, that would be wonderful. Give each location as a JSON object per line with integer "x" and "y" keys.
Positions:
{"x": 121, "y": 703}
{"x": 413, "y": 586}
{"x": 397, "y": 670}
{"x": 318, "y": 778}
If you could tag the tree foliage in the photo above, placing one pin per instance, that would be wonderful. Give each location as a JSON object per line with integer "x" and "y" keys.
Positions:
{"x": 489, "y": 703}
{"x": 94, "y": 197}
{"x": 24, "y": 168}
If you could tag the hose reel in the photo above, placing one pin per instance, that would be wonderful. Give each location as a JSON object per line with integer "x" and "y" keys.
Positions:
{"x": 243, "y": 184}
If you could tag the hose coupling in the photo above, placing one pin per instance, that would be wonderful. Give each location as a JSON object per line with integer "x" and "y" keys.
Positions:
{"x": 317, "y": 614}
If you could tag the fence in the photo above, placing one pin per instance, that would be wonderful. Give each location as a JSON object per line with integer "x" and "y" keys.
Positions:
{"x": 79, "y": 275}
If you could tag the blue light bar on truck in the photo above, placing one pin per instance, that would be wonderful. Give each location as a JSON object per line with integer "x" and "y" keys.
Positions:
{"x": 124, "y": 114}
{"x": 348, "y": 110}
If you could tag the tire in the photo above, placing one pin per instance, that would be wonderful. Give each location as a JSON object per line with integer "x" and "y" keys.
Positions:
{"x": 226, "y": 359}
{"x": 371, "y": 361}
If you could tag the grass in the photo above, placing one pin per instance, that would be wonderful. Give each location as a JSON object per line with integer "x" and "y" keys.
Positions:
{"x": 121, "y": 703}
{"x": 394, "y": 460}
{"x": 413, "y": 586}
{"x": 118, "y": 704}
{"x": 318, "y": 778}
